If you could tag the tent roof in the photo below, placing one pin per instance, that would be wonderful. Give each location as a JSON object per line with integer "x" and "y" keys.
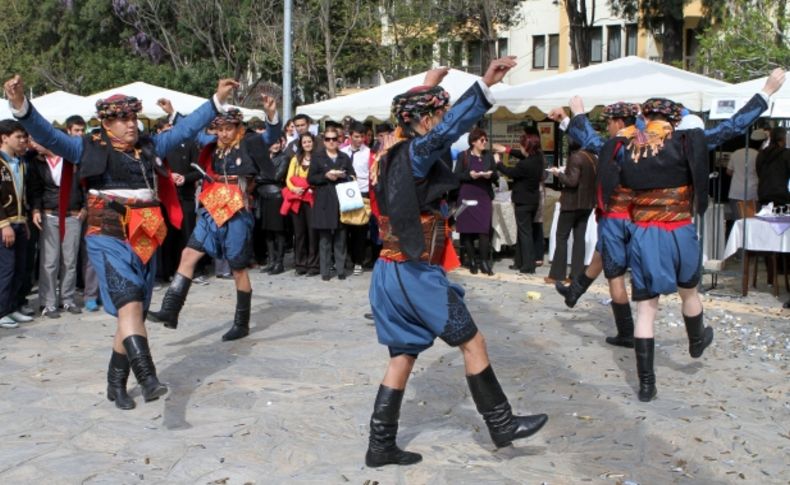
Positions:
{"x": 148, "y": 93}
{"x": 722, "y": 101}
{"x": 627, "y": 79}
{"x": 55, "y": 107}
{"x": 376, "y": 102}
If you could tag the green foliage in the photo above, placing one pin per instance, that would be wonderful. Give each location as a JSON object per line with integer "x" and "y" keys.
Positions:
{"x": 747, "y": 44}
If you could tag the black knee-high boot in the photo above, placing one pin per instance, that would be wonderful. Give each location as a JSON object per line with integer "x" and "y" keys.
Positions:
{"x": 173, "y": 301}
{"x": 382, "y": 449}
{"x": 575, "y": 290}
{"x": 699, "y": 335}
{"x": 142, "y": 365}
{"x": 241, "y": 320}
{"x": 644, "y": 349}
{"x": 492, "y": 403}
{"x": 270, "y": 257}
{"x": 117, "y": 375}
{"x": 279, "y": 253}
{"x": 625, "y": 325}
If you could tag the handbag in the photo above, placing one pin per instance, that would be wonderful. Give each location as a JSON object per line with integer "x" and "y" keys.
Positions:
{"x": 349, "y": 196}
{"x": 357, "y": 217}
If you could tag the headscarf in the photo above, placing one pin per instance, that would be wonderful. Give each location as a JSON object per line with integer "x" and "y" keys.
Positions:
{"x": 620, "y": 109}
{"x": 416, "y": 102}
{"x": 118, "y": 105}
{"x": 230, "y": 116}
{"x": 665, "y": 107}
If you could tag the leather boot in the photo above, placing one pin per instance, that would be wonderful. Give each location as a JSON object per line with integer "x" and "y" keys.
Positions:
{"x": 645, "y": 348}
{"x": 241, "y": 321}
{"x": 143, "y": 367}
{"x": 625, "y": 326}
{"x": 473, "y": 265}
{"x": 270, "y": 259}
{"x": 117, "y": 375}
{"x": 575, "y": 290}
{"x": 699, "y": 335}
{"x": 492, "y": 403}
{"x": 486, "y": 267}
{"x": 382, "y": 449}
{"x": 173, "y": 301}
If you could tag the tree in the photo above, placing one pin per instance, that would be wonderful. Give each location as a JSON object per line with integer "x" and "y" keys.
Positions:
{"x": 749, "y": 42}
{"x": 664, "y": 18}
{"x": 580, "y": 31}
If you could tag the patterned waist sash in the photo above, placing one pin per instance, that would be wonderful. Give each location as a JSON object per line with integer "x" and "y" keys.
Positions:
{"x": 662, "y": 205}
{"x": 140, "y": 223}
{"x": 222, "y": 200}
{"x": 434, "y": 231}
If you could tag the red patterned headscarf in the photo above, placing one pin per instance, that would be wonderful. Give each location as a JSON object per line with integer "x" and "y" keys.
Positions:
{"x": 118, "y": 106}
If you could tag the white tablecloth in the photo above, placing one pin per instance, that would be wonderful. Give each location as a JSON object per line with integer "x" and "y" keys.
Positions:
{"x": 760, "y": 236}
{"x": 503, "y": 221}
{"x": 590, "y": 237}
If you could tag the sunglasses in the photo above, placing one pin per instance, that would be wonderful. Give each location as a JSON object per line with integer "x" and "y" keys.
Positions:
{"x": 330, "y": 138}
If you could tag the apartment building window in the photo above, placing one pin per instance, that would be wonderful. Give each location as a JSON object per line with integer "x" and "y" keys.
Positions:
{"x": 475, "y": 57}
{"x": 596, "y": 44}
{"x": 457, "y": 54}
{"x": 502, "y": 45}
{"x": 631, "y": 33}
{"x": 538, "y": 52}
{"x": 554, "y": 51}
{"x": 614, "y": 45}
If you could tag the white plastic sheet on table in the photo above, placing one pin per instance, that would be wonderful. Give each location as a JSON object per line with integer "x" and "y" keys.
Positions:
{"x": 760, "y": 236}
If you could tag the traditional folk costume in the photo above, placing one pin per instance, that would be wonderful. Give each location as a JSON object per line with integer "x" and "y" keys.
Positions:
{"x": 127, "y": 185}
{"x": 412, "y": 300}
{"x": 614, "y": 225}
{"x": 225, "y": 222}
{"x": 614, "y": 219}
{"x": 667, "y": 171}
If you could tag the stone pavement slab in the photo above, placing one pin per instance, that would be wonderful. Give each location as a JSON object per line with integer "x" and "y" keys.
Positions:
{"x": 291, "y": 402}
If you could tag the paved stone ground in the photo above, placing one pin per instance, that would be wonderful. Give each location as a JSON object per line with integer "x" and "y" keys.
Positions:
{"x": 291, "y": 403}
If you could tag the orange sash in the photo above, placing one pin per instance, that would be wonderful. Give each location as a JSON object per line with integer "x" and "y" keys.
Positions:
{"x": 146, "y": 230}
{"x": 221, "y": 200}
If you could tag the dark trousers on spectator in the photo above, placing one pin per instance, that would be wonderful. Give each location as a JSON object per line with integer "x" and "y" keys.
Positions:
{"x": 357, "y": 242}
{"x": 525, "y": 256}
{"x": 13, "y": 265}
{"x": 332, "y": 242}
{"x": 176, "y": 240}
{"x": 89, "y": 278}
{"x": 305, "y": 240}
{"x": 569, "y": 221}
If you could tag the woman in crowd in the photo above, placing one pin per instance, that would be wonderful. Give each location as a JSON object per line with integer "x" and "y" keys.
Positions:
{"x": 299, "y": 202}
{"x": 577, "y": 200}
{"x": 476, "y": 169}
{"x": 327, "y": 169}
{"x": 527, "y": 175}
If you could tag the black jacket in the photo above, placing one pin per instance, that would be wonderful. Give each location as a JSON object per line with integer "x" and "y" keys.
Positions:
{"x": 527, "y": 175}
{"x": 463, "y": 167}
{"x": 773, "y": 170}
{"x": 179, "y": 159}
{"x": 326, "y": 208}
{"x": 42, "y": 192}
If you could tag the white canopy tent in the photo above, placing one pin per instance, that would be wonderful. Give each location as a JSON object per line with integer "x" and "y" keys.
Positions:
{"x": 724, "y": 102}
{"x": 628, "y": 79}
{"x": 149, "y": 94}
{"x": 56, "y": 107}
{"x": 376, "y": 102}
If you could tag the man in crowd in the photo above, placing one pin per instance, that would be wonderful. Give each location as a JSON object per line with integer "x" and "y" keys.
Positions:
{"x": 57, "y": 274}
{"x": 13, "y": 221}
{"x": 360, "y": 159}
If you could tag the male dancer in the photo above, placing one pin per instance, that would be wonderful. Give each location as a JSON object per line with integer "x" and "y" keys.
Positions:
{"x": 614, "y": 226}
{"x": 412, "y": 299}
{"x": 224, "y": 226}
{"x": 126, "y": 183}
